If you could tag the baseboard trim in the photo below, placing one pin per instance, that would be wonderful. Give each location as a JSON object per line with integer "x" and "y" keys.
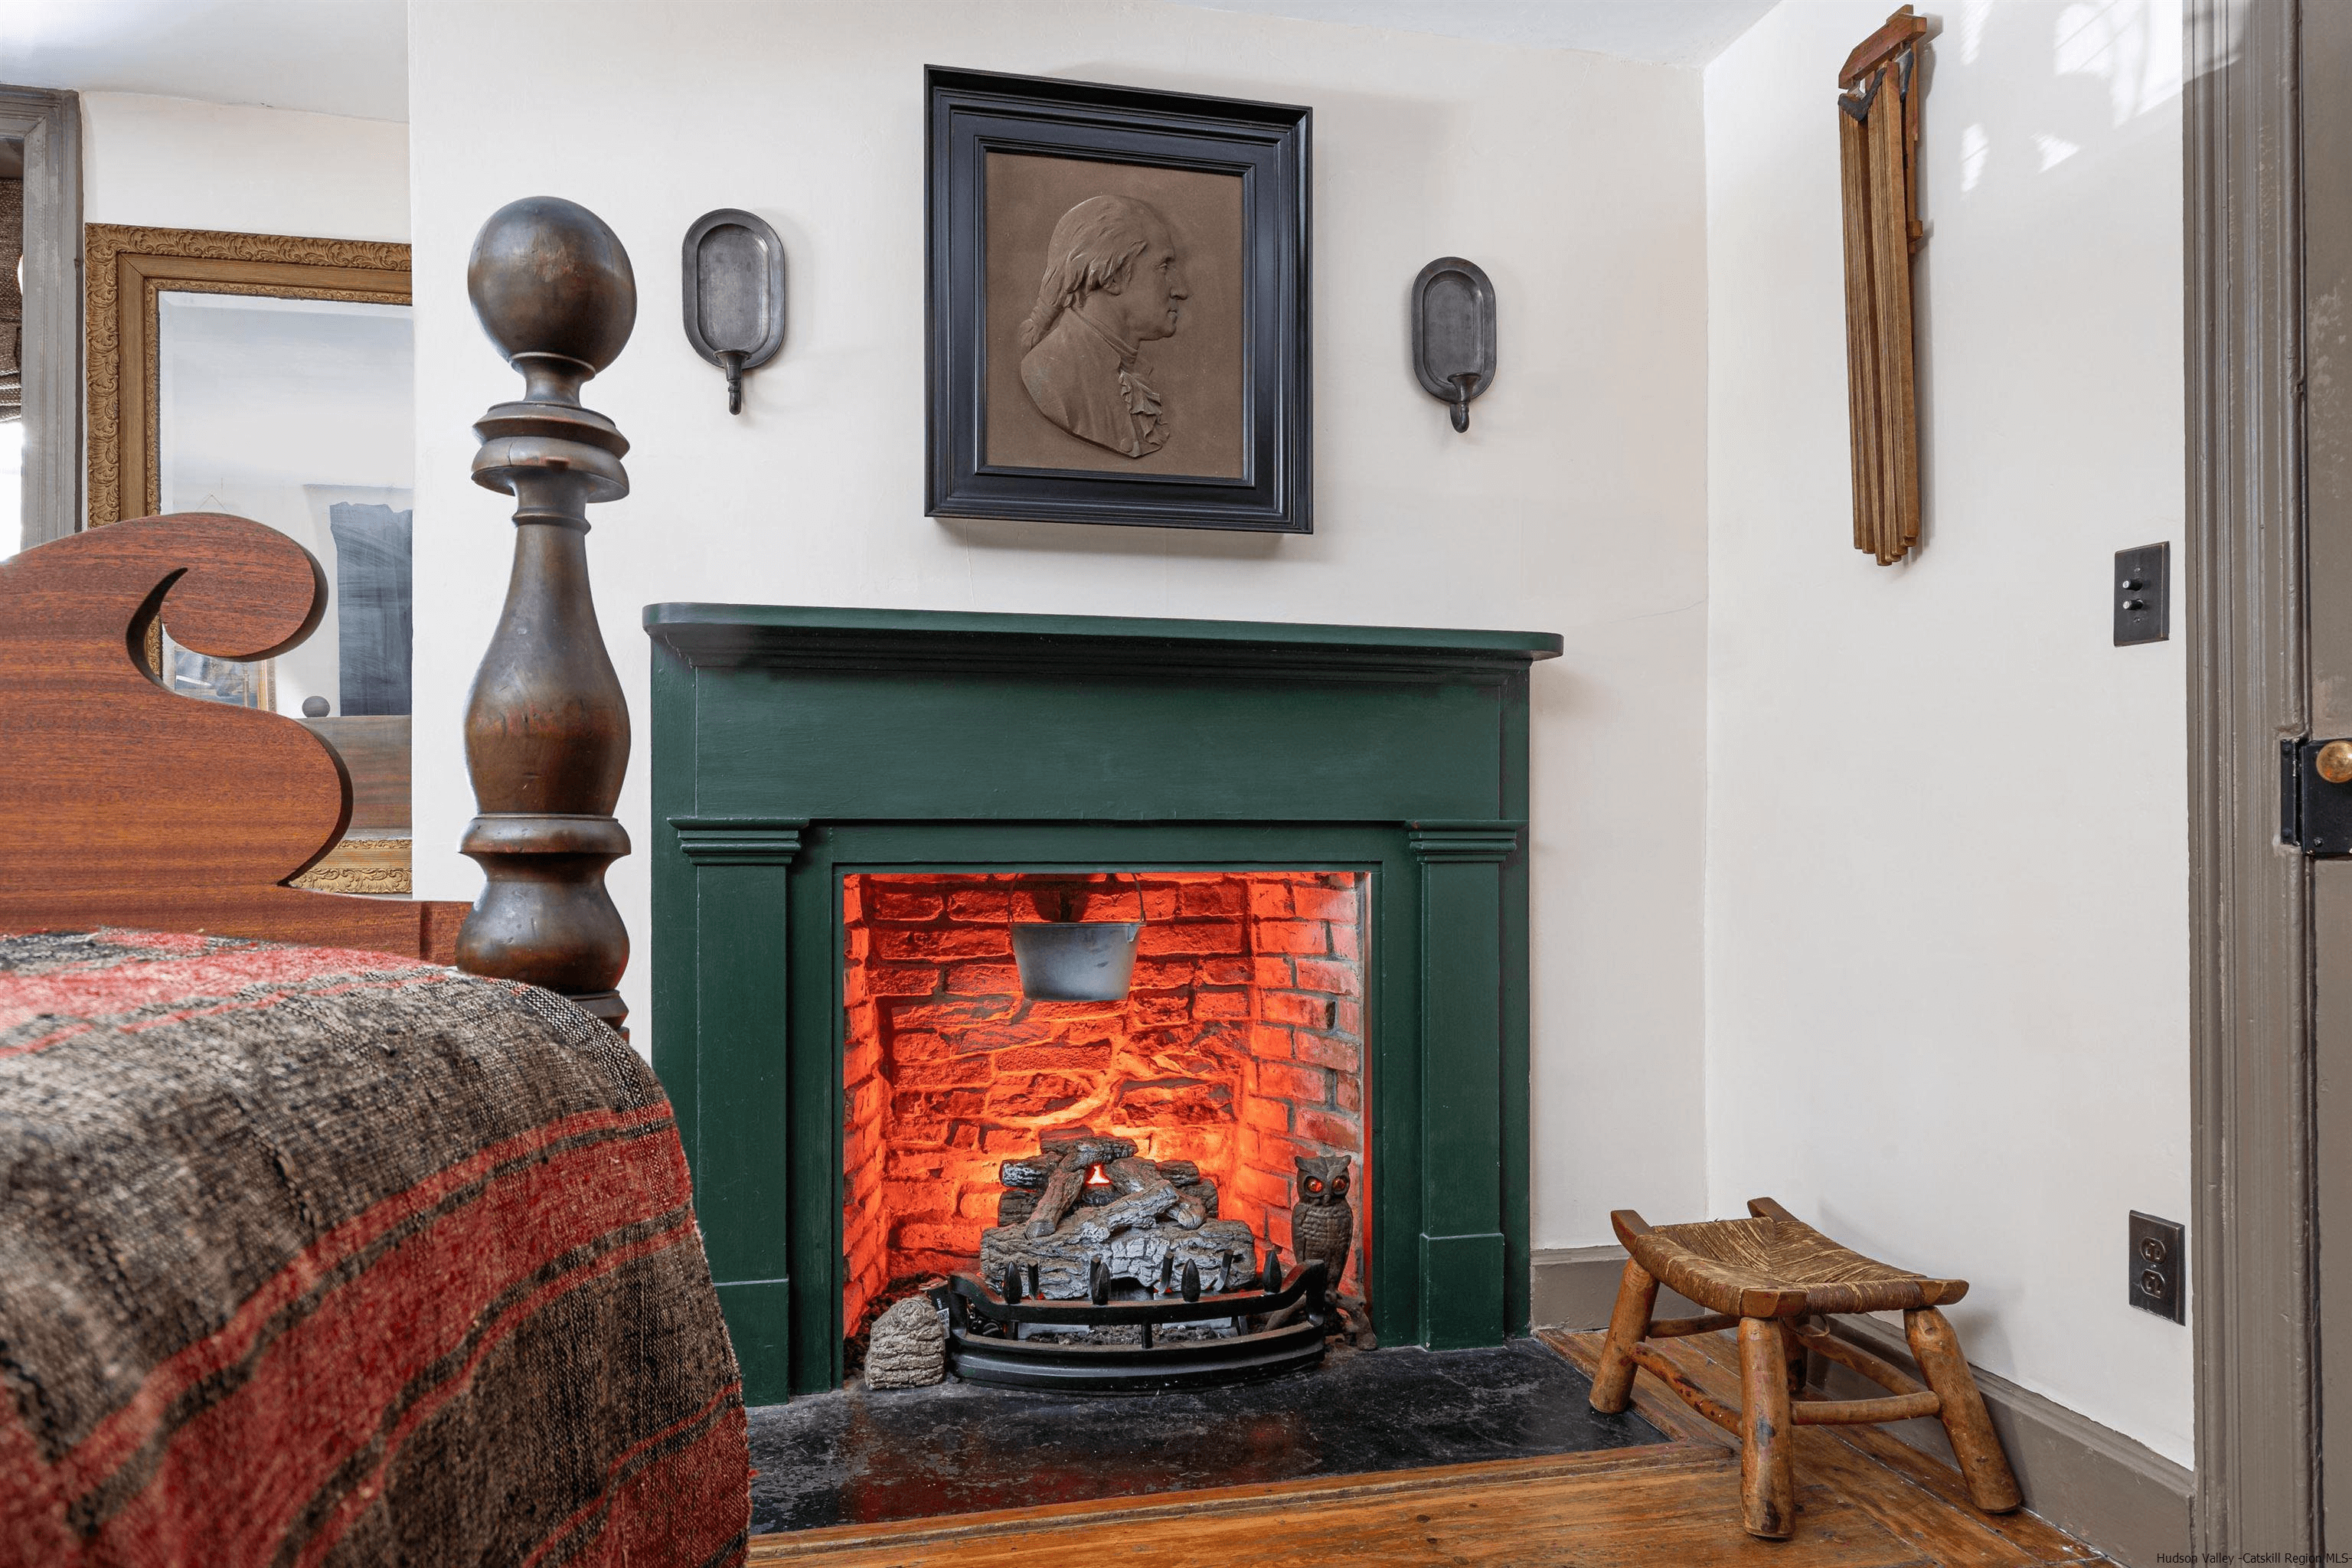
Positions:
{"x": 2110, "y": 1490}
{"x": 2090, "y": 1481}
{"x": 1573, "y": 1288}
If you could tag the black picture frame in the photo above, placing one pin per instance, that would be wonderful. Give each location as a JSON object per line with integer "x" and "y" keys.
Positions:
{"x": 974, "y": 114}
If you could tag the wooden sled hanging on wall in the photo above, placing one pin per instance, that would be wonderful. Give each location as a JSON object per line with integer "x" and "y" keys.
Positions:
{"x": 1878, "y": 141}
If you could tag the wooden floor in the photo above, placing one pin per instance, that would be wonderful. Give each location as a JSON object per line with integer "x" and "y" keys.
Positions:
{"x": 1864, "y": 1500}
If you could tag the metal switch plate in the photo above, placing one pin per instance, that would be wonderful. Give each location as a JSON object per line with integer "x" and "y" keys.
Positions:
{"x": 2143, "y": 594}
{"x": 2159, "y": 1271}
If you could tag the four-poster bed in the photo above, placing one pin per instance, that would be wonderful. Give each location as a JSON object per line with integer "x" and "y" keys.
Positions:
{"x": 313, "y": 1248}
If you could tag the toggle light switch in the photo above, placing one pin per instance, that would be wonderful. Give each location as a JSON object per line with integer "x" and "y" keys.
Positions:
{"x": 2143, "y": 594}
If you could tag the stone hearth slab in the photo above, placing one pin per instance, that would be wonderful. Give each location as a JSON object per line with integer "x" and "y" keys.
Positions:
{"x": 854, "y": 1456}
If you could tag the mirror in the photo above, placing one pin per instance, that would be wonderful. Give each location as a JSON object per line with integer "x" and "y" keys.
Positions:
{"x": 281, "y": 389}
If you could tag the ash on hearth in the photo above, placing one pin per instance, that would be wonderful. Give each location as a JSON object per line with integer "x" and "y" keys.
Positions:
{"x": 1086, "y": 1198}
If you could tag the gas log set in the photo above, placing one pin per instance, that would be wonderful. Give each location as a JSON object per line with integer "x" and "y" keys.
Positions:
{"x": 1162, "y": 1293}
{"x": 1086, "y": 1204}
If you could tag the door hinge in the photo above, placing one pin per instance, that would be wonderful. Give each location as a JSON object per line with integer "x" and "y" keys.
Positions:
{"x": 2314, "y": 812}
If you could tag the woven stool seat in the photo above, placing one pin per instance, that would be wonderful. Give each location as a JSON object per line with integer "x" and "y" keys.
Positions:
{"x": 1774, "y": 1265}
{"x": 1774, "y": 1278}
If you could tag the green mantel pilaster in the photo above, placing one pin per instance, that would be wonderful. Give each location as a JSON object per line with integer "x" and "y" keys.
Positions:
{"x": 1463, "y": 1100}
{"x": 741, "y": 940}
{"x": 793, "y": 746}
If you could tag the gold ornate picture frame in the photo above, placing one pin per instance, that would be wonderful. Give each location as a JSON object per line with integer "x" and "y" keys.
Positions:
{"x": 126, "y": 270}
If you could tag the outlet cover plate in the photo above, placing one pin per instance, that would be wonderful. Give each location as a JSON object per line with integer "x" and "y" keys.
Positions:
{"x": 2160, "y": 1267}
{"x": 2143, "y": 594}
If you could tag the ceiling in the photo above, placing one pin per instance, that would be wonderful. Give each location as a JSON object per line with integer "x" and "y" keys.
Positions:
{"x": 330, "y": 57}
{"x": 1660, "y": 32}
{"x": 350, "y": 57}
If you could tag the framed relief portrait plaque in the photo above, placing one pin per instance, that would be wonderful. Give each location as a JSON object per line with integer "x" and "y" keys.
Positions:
{"x": 1118, "y": 306}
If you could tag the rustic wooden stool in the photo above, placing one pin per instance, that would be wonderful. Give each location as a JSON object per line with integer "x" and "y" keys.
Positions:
{"x": 1774, "y": 1275}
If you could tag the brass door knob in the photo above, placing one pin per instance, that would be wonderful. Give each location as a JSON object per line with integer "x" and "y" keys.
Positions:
{"x": 2334, "y": 762}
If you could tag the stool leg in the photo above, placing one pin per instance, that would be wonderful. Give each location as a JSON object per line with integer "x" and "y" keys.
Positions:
{"x": 1991, "y": 1486}
{"x": 1629, "y": 1324}
{"x": 1767, "y": 1488}
{"x": 1795, "y": 1349}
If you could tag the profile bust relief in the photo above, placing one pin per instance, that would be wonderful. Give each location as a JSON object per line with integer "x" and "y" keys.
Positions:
{"x": 1069, "y": 227}
{"x": 1113, "y": 281}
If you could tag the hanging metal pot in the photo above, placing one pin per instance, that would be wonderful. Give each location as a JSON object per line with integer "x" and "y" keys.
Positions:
{"x": 1076, "y": 960}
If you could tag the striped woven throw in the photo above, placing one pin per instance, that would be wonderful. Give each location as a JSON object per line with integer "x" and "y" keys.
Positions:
{"x": 311, "y": 1256}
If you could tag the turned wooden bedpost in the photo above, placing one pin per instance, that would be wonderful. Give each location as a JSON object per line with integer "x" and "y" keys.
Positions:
{"x": 547, "y": 732}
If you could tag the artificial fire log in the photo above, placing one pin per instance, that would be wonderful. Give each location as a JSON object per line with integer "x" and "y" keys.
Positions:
{"x": 1061, "y": 1193}
{"x": 1057, "y": 1141}
{"x": 1032, "y": 1172}
{"x": 1132, "y": 1208}
{"x": 1069, "y": 1152}
{"x": 1133, "y": 1175}
{"x": 1084, "y": 1145}
{"x": 1154, "y": 1253}
{"x": 1196, "y": 1200}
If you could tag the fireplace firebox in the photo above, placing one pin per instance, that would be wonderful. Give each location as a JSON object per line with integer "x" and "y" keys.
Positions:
{"x": 1321, "y": 831}
{"x": 1181, "y": 1108}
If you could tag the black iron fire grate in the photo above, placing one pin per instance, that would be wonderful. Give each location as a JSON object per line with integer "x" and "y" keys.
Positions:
{"x": 1282, "y": 1329}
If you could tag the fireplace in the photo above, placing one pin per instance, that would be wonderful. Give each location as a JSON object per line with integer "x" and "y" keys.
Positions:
{"x": 1320, "y": 827}
{"x": 1236, "y": 1052}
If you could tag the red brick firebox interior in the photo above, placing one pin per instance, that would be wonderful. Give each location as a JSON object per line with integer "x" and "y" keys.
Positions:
{"x": 1240, "y": 1046}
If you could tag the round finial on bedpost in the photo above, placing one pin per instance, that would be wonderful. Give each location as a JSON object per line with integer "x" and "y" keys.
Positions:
{"x": 553, "y": 287}
{"x": 547, "y": 732}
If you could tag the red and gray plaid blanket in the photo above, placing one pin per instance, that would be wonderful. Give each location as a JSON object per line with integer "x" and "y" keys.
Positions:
{"x": 311, "y": 1257}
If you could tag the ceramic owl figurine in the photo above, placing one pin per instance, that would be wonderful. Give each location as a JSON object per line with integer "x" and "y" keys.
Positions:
{"x": 1322, "y": 1220}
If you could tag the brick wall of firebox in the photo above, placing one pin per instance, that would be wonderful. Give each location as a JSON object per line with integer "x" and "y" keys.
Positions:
{"x": 1240, "y": 1046}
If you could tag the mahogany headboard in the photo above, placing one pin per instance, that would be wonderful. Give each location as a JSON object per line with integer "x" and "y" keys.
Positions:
{"x": 123, "y": 803}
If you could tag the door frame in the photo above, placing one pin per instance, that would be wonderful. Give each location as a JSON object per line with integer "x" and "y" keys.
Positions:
{"x": 2253, "y": 1253}
{"x": 49, "y": 122}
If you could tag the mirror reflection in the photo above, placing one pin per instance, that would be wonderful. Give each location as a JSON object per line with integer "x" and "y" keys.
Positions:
{"x": 298, "y": 414}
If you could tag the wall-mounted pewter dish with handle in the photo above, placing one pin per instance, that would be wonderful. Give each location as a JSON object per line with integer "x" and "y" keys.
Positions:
{"x": 733, "y": 269}
{"x": 1453, "y": 334}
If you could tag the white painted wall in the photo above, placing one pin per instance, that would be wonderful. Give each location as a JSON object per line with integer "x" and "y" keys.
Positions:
{"x": 172, "y": 162}
{"x": 1575, "y": 504}
{"x": 1946, "y": 916}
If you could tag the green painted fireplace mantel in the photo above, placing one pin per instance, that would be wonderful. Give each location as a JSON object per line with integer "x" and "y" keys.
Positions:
{"x": 793, "y": 746}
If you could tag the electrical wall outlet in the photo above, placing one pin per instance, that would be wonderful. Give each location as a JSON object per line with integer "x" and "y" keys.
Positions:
{"x": 2160, "y": 1267}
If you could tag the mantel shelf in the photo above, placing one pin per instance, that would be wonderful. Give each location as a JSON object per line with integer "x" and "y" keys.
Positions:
{"x": 718, "y": 636}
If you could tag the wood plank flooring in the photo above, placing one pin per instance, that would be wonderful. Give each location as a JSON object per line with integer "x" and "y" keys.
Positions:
{"x": 1865, "y": 1500}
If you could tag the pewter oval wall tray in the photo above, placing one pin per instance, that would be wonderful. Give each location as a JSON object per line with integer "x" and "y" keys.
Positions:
{"x": 1453, "y": 332}
{"x": 734, "y": 277}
